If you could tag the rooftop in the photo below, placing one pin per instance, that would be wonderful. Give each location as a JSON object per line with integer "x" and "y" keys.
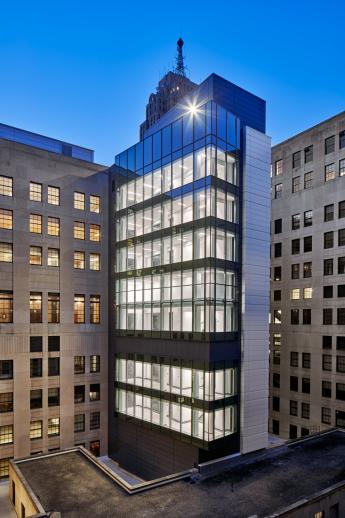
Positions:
{"x": 259, "y": 484}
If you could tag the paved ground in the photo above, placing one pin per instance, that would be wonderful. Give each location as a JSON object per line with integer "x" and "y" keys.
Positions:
{"x": 6, "y": 509}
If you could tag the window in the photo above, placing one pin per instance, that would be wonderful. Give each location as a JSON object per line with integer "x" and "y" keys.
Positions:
{"x": 328, "y": 240}
{"x": 293, "y": 407}
{"x": 79, "y": 423}
{"x": 308, "y": 180}
{"x": 329, "y": 212}
{"x": 79, "y": 394}
{"x": 327, "y": 292}
{"x": 276, "y": 357}
{"x": 295, "y": 246}
{"x": 308, "y": 154}
{"x": 35, "y": 255}
{"x": 277, "y": 316}
{"x": 295, "y": 294}
{"x": 305, "y": 410}
{"x": 326, "y": 389}
{"x": 340, "y": 391}
{"x": 295, "y": 221}
{"x": 326, "y": 362}
{"x": 326, "y": 415}
{"x": 341, "y": 290}
{"x": 293, "y": 359}
{"x": 277, "y": 273}
{"x": 341, "y": 343}
{"x": 6, "y": 402}
{"x": 278, "y": 167}
{"x": 275, "y": 403}
{"x": 277, "y": 295}
{"x": 53, "y": 426}
{"x": 296, "y": 184}
{"x": 95, "y": 448}
{"x": 330, "y": 145}
{"x": 79, "y": 260}
{"x": 95, "y": 232}
{"x": 342, "y": 139}
{"x": 329, "y": 172}
{"x": 295, "y": 271}
{"x": 79, "y": 230}
{"x": 53, "y": 226}
{"x": 95, "y": 420}
{"x": 53, "y": 258}
{"x": 328, "y": 267}
{"x": 95, "y": 309}
{"x": 306, "y": 360}
{"x": 296, "y": 159}
{"x": 6, "y": 369}
{"x": 36, "y": 398}
{"x": 6, "y": 186}
{"x": 53, "y": 195}
{"x": 53, "y": 308}
{"x": 79, "y": 364}
{"x": 308, "y": 244}
{"x": 6, "y": 219}
{"x": 95, "y": 261}
{"x": 94, "y": 392}
{"x": 35, "y": 223}
{"x": 341, "y": 237}
{"x": 341, "y": 316}
{"x": 278, "y": 226}
{"x": 95, "y": 203}
{"x": 6, "y": 307}
{"x": 36, "y": 344}
{"x": 94, "y": 363}
{"x": 35, "y": 308}
{"x": 278, "y": 190}
{"x": 35, "y": 191}
{"x": 327, "y": 316}
{"x": 277, "y": 337}
{"x": 79, "y": 200}
{"x": 4, "y": 468}
{"x": 342, "y": 167}
{"x": 306, "y": 316}
{"x": 341, "y": 264}
{"x": 54, "y": 366}
{"x": 79, "y": 309}
{"x": 306, "y": 385}
{"x": 276, "y": 380}
{"x": 36, "y": 430}
{"x": 294, "y": 383}
{"x": 53, "y": 396}
{"x": 307, "y": 293}
{"x": 53, "y": 343}
{"x": 6, "y": 252}
{"x": 295, "y": 316}
{"x": 277, "y": 250}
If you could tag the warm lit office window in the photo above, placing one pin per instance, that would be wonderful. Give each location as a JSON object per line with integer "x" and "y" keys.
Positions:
{"x": 79, "y": 260}
{"x": 6, "y": 252}
{"x": 95, "y": 232}
{"x": 95, "y": 309}
{"x": 35, "y": 255}
{"x": 53, "y": 195}
{"x": 36, "y": 428}
{"x": 79, "y": 309}
{"x": 53, "y": 257}
{"x": 295, "y": 294}
{"x": 79, "y": 230}
{"x": 95, "y": 261}
{"x": 4, "y": 468}
{"x": 36, "y": 223}
{"x": 307, "y": 293}
{"x": 79, "y": 200}
{"x": 53, "y": 308}
{"x": 53, "y": 226}
{"x": 6, "y": 307}
{"x": 79, "y": 364}
{"x": 35, "y": 308}
{"x": 95, "y": 363}
{"x": 95, "y": 203}
{"x": 53, "y": 426}
{"x": 6, "y": 434}
{"x": 6, "y": 186}
{"x": 79, "y": 423}
{"x": 35, "y": 191}
{"x": 6, "y": 219}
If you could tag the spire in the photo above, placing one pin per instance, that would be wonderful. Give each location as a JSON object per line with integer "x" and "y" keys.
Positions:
{"x": 180, "y": 68}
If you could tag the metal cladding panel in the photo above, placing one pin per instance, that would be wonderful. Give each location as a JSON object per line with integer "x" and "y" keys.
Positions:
{"x": 255, "y": 290}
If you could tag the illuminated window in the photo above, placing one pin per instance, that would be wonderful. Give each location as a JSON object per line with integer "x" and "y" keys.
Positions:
{"x": 6, "y": 252}
{"x": 6, "y": 434}
{"x": 6, "y": 219}
{"x": 307, "y": 293}
{"x": 36, "y": 430}
{"x": 6, "y": 307}
{"x": 95, "y": 420}
{"x": 53, "y": 308}
{"x": 35, "y": 191}
{"x": 4, "y": 468}
{"x": 95, "y": 261}
{"x": 94, "y": 363}
{"x": 53, "y": 257}
{"x": 53, "y": 426}
{"x": 295, "y": 294}
{"x": 79, "y": 200}
{"x": 95, "y": 203}
{"x": 79, "y": 423}
{"x": 6, "y": 402}
{"x": 35, "y": 308}
{"x": 79, "y": 230}
{"x": 79, "y": 309}
{"x": 79, "y": 364}
{"x": 95, "y": 232}
{"x": 95, "y": 392}
{"x": 53, "y": 226}
{"x": 95, "y": 309}
{"x": 35, "y": 255}
{"x": 36, "y": 223}
{"x": 79, "y": 260}
{"x": 6, "y": 186}
{"x": 53, "y": 195}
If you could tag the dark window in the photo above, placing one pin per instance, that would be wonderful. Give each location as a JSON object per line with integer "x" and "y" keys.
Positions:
{"x": 6, "y": 369}
{"x": 293, "y": 359}
{"x": 308, "y": 180}
{"x": 295, "y": 271}
{"x": 308, "y": 244}
{"x": 36, "y": 344}
{"x": 296, "y": 184}
{"x": 296, "y": 159}
{"x": 308, "y": 154}
{"x": 330, "y": 144}
{"x": 304, "y": 432}
{"x": 306, "y": 385}
{"x": 275, "y": 426}
{"x": 341, "y": 290}
{"x": 36, "y": 367}
{"x": 328, "y": 240}
{"x": 295, "y": 221}
{"x": 95, "y": 420}
{"x": 294, "y": 383}
{"x": 293, "y": 431}
{"x": 79, "y": 394}
{"x": 327, "y": 316}
{"x": 95, "y": 392}
{"x": 36, "y": 398}
{"x": 295, "y": 246}
{"x": 6, "y": 402}
{"x": 53, "y": 343}
{"x": 295, "y": 316}
{"x": 79, "y": 423}
{"x": 341, "y": 264}
{"x": 341, "y": 364}
{"x": 341, "y": 237}
{"x": 276, "y": 357}
{"x": 329, "y": 212}
{"x": 79, "y": 364}
{"x": 328, "y": 267}
{"x": 277, "y": 295}
{"x": 306, "y": 316}
{"x": 307, "y": 270}
{"x": 326, "y": 389}
{"x": 308, "y": 218}
{"x": 326, "y": 362}
{"x": 278, "y": 191}
{"x": 276, "y": 403}
{"x": 340, "y": 391}
{"x": 53, "y": 396}
{"x": 306, "y": 360}
{"x": 327, "y": 292}
{"x": 341, "y": 316}
{"x": 54, "y": 366}
{"x": 293, "y": 407}
{"x": 327, "y": 342}
{"x": 278, "y": 226}
{"x": 341, "y": 209}
{"x": 277, "y": 250}
{"x": 342, "y": 167}
{"x": 341, "y": 343}
{"x": 277, "y": 273}
{"x": 342, "y": 139}
{"x": 276, "y": 380}
{"x": 305, "y": 410}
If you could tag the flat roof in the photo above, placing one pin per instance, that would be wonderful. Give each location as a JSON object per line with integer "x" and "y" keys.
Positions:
{"x": 256, "y": 485}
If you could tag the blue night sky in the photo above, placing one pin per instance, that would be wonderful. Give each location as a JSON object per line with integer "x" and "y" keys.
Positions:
{"x": 82, "y": 71}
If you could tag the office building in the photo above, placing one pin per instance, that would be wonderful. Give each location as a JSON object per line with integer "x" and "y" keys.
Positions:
{"x": 189, "y": 252}
{"x": 307, "y": 361}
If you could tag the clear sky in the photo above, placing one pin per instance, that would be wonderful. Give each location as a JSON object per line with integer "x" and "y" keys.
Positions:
{"x": 82, "y": 71}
